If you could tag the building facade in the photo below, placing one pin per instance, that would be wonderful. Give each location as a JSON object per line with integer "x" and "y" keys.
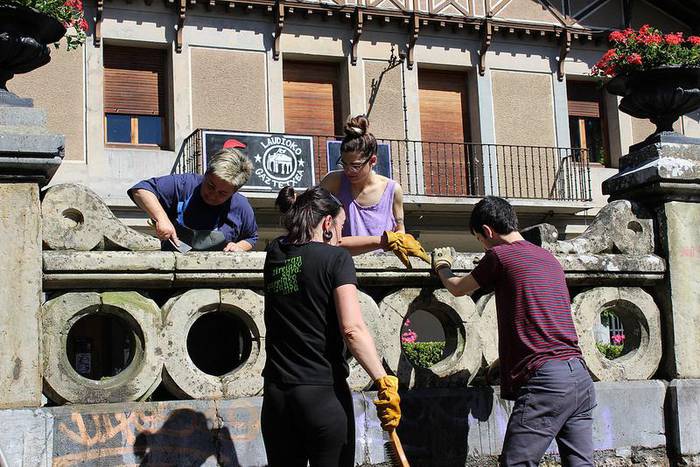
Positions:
{"x": 469, "y": 97}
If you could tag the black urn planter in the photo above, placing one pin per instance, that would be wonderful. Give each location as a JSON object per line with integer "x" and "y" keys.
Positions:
{"x": 24, "y": 38}
{"x": 661, "y": 95}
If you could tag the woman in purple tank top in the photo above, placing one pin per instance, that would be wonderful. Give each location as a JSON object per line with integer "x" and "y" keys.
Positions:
{"x": 373, "y": 203}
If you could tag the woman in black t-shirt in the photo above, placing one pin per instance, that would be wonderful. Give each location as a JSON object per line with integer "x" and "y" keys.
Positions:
{"x": 311, "y": 313}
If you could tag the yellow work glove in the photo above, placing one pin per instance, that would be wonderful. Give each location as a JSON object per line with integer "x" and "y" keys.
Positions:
{"x": 404, "y": 245}
{"x": 388, "y": 409}
{"x": 443, "y": 257}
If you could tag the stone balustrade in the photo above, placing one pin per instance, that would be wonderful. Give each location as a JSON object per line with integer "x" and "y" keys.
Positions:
{"x": 610, "y": 266}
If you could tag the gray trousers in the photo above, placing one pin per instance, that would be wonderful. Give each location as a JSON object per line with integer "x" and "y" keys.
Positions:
{"x": 556, "y": 402}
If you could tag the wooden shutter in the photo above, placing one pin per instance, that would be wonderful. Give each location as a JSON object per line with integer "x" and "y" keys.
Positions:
{"x": 134, "y": 80}
{"x": 444, "y": 119}
{"x": 584, "y": 99}
{"x": 443, "y": 105}
{"x": 311, "y": 98}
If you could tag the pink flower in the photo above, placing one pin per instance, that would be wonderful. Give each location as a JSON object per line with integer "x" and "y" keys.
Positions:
{"x": 674, "y": 39}
{"x": 695, "y": 40}
{"x": 634, "y": 59}
{"x": 409, "y": 337}
{"x": 407, "y": 322}
{"x": 617, "y": 36}
{"x": 618, "y": 339}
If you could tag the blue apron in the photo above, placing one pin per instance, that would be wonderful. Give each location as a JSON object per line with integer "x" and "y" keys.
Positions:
{"x": 201, "y": 240}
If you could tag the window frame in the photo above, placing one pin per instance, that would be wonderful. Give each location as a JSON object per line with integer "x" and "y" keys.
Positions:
{"x": 134, "y": 133}
{"x": 164, "y": 98}
{"x": 581, "y": 127}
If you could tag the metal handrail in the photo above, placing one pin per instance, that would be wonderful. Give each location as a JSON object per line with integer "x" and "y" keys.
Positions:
{"x": 453, "y": 169}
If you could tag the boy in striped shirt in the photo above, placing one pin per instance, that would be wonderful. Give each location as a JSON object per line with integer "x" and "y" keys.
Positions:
{"x": 541, "y": 365}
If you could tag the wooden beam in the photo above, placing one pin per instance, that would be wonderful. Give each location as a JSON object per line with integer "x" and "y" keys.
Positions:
{"x": 498, "y": 8}
{"x": 359, "y": 25}
{"x": 412, "y": 39}
{"x": 564, "y": 49}
{"x": 279, "y": 26}
{"x": 182, "y": 9}
{"x": 486, "y": 37}
{"x": 98, "y": 22}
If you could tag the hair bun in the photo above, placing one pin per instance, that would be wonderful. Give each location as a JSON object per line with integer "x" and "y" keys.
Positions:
{"x": 285, "y": 199}
{"x": 356, "y": 126}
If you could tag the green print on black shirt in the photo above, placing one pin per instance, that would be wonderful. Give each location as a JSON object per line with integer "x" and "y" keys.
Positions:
{"x": 284, "y": 278}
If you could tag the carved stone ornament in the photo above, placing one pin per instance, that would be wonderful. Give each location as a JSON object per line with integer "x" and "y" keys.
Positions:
{"x": 616, "y": 229}
{"x": 75, "y": 218}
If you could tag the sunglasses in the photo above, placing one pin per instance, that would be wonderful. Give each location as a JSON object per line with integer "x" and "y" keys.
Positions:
{"x": 351, "y": 167}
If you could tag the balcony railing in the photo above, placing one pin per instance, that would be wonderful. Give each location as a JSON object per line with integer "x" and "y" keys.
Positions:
{"x": 431, "y": 168}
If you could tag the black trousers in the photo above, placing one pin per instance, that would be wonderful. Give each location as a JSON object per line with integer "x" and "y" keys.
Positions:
{"x": 306, "y": 423}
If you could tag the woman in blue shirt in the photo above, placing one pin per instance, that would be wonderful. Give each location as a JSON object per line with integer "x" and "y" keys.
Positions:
{"x": 180, "y": 203}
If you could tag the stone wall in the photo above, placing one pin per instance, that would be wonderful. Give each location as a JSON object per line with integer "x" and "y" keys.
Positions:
{"x": 469, "y": 424}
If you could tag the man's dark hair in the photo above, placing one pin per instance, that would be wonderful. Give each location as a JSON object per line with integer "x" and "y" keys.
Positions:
{"x": 495, "y": 212}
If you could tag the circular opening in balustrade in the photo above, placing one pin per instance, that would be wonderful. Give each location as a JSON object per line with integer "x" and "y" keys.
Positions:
{"x": 72, "y": 218}
{"x": 424, "y": 340}
{"x": 219, "y": 342}
{"x": 619, "y": 330}
{"x": 101, "y": 345}
{"x": 635, "y": 227}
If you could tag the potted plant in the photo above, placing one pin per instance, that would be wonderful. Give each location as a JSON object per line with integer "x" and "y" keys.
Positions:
{"x": 27, "y": 27}
{"x": 657, "y": 75}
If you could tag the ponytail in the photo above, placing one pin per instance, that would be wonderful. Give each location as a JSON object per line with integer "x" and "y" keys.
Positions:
{"x": 303, "y": 212}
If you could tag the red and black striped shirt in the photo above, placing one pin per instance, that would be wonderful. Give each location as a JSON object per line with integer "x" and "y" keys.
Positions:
{"x": 533, "y": 307}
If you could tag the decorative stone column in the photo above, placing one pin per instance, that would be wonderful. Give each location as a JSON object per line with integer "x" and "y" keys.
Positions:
{"x": 663, "y": 175}
{"x": 29, "y": 156}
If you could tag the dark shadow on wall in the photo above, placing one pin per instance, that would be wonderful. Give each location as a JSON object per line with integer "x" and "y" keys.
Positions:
{"x": 434, "y": 427}
{"x": 185, "y": 440}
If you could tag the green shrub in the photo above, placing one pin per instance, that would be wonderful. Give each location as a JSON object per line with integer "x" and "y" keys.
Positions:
{"x": 424, "y": 354}
{"x": 611, "y": 351}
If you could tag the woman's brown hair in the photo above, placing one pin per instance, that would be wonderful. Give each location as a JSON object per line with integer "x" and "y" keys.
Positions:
{"x": 303, "y": 212}
{"x": 358, "y": 138}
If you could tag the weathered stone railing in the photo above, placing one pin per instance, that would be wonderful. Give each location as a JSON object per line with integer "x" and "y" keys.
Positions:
{"x": 93, "y": 265}
{"x": 117, "y": 282}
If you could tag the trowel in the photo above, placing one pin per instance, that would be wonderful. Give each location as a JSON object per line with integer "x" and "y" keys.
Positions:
{"x": 182, "y": 247}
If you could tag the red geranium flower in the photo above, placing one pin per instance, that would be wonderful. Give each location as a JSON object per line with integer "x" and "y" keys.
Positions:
{"x": 674, "y": 39}
{"x": 652, "y": 39}
{"x": 617, "y": 36}
{"x": 634, "y": 59}
{"x": 695, "y": 40}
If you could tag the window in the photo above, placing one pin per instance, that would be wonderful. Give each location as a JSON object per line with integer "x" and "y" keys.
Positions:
{"x": 587, "y": 127}
{"x": 312, "y": 104}
{"x": 135, "y": 96}
{"x": 444, "y": 125}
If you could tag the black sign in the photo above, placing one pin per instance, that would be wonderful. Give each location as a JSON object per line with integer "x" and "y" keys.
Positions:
{"x": 383, "y": 166}
{"x": 278, "y": 160}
